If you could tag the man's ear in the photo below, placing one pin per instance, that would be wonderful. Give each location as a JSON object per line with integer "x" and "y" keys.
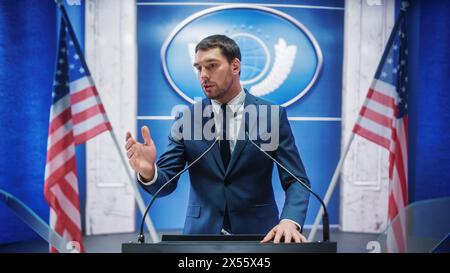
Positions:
{"x": 236, "y": 66}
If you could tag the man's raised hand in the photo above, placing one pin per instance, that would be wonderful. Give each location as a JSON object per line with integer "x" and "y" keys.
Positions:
{"x": 141, "y": 157}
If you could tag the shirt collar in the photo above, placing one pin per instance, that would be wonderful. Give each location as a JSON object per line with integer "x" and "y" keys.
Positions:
{"x": 234, "y": 103}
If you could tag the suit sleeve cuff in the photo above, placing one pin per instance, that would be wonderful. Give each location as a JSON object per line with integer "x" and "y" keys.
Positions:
{"x": 148, "y": 183}
{"x": 292, "y": 221}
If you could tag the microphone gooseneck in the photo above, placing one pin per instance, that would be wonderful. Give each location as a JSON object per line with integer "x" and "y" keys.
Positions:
{"x": 141, "y": 237}
{"x": 325, "y": 221}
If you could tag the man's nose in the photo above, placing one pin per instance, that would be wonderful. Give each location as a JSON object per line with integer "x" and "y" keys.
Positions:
{"x": 203, "y": 75}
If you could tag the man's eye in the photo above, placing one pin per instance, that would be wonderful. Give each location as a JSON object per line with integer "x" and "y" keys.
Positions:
{"x": 212, "y": 65}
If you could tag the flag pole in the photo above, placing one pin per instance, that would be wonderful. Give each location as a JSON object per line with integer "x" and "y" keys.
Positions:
{"x": 37, "y": 224}
{"x": 140, "y": 202}
{"x": 131, "y": 178}
{"x": 334, "y": 180}
{"x": 331, "y": 187}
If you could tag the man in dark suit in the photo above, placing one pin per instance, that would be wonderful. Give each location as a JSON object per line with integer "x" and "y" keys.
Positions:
{"x": 231, "y": 186}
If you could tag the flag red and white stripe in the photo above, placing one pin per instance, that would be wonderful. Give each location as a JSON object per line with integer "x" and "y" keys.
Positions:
{"x": 76, "y": 115}
{"x": 383, "y": 120}
{"x": 379, "y": 124}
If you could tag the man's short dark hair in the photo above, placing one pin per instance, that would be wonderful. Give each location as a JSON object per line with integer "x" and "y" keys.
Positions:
{"x": 227, "y": 46}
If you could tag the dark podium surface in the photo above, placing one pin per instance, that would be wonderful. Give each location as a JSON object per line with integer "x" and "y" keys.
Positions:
{"x": 225, "y": 244}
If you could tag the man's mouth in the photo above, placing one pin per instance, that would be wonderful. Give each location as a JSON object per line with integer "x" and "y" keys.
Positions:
{"x": 207, "y": 86}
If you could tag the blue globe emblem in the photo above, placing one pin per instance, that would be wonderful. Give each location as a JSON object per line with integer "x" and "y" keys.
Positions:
{"x": 255, "y": 57}
{"x": 281, "y": 59}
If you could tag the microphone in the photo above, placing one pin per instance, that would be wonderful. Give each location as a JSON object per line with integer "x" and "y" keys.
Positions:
{"x": 141, "y": 238}
{"x": 325, "y": 222}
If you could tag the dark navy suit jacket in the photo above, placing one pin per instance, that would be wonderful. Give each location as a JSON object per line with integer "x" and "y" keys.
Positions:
{"x": 245, "y": 187}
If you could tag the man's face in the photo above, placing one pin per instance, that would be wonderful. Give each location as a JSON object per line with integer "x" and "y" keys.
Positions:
{"x": 215, "y": 74}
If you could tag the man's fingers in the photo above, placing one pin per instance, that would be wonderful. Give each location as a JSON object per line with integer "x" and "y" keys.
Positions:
{"x": 278, "y": 236}
{"x": 133, "y": 162}
{"x": 146, "y": 135}
{"x": 303, "y": 238}
{"x": 287, "y": 236}
{"x": 130, "y": 142}
{"x": 296, "y": 236}
{"x": 131, "y": 152}
{"x": 268, "y": 237}
{"x": 127, "y": 135}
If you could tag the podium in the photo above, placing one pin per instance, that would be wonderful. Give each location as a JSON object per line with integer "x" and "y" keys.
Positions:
{"x": 225, "y": 244}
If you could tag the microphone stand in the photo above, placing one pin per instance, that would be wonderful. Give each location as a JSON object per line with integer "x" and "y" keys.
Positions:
{"x": 141, "y": 237}
{"x": 325, "y": 221}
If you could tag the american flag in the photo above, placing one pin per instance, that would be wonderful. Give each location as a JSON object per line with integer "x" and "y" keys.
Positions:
{"x": 76, "y": 115}
{"x": 383, "y": 119}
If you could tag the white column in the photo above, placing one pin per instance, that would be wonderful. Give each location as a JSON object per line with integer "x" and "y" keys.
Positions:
{"x": 110, "y": 42}
{"x": 364, "y": 177}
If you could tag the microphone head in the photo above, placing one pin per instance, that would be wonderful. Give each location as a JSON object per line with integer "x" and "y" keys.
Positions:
{"x": 141, "y": 238}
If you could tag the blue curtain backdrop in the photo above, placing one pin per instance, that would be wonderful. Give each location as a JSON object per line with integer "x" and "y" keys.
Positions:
{"x": 429, "y": 99}
{"x": 27, "y": 54}
{"x": 27, "y": 60}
